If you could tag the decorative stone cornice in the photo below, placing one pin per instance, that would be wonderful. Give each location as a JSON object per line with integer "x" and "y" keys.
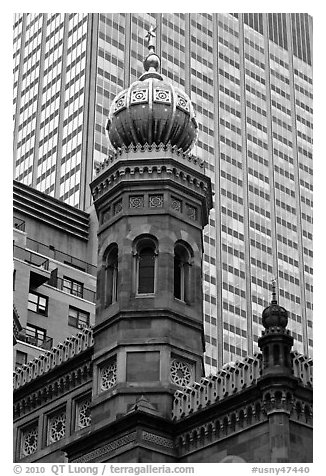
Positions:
{"x": 276, "y": 400}
{"x": 52, "y": 359}
{"x": 286, "y": 401}
{"x": 157, "y": 439}
{"x": 107, "y": 449}
{"x": 55, "y": 388}
{"x": 222, "y": 426}
{"x": 301, "y": 411}
{"x": 162, "y": 150}
{"x": 137, "y": 171}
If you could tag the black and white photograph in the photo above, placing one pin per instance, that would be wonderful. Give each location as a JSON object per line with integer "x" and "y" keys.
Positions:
{"x": 162, "y": 241}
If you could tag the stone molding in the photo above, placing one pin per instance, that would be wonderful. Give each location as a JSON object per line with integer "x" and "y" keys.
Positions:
{"x": 302, "y": 412}
{"x": 277, "y": 400}
{"x": 107, "y": 449}
{"x": 61, "y": 385}
{"x": 157, "y": 439}
{"x": 104, "y": 183}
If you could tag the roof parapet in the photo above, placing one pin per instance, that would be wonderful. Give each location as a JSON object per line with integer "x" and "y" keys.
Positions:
{"x": 63, "y": 352}
{"x": 230, "y": 380}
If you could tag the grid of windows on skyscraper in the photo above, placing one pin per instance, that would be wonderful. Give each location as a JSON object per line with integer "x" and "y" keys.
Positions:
{"x": 249, "y": 77}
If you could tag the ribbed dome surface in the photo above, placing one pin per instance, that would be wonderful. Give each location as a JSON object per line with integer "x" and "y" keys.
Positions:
{"x": 151, "y": 111}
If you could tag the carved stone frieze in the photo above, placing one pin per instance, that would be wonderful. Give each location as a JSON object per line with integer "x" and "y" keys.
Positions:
{"x": 49, "y": 391}
{"x": 107, "y": 449}
{"x": 157, "y": 439}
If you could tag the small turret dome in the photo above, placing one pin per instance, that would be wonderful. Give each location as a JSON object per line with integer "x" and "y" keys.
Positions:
{"x": 274, "y": 315}
{"x": 152, "y": 110}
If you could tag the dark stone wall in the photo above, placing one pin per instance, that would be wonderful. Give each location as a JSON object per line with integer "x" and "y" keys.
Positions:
{"x": 142, "y": 455}
{"x": 301, "y": 443}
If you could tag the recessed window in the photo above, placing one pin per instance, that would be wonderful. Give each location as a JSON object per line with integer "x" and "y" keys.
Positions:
{"x": 73, "y": 287}
{"x": 78, "y": 318}
{"x": 111, "y": 275}
{"x": 38, "y": 303}
{"x": 145, "y": 254}
{"x": 182, "y": 256}
{"x": 146, "y": 270}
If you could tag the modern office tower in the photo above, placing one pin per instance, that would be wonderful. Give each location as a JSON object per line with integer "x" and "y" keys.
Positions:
{"x": 249, "y": 77}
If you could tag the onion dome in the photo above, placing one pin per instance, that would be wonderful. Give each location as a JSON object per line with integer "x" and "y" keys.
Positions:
{"x": 152, "y": 110}
{"x": 274, "y": 315}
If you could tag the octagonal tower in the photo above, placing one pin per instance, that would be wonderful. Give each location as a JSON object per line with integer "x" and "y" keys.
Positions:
{"x": 152, "y": 200}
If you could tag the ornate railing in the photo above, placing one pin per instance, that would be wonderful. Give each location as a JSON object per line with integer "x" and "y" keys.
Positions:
{"x": 302, "y": 368}
{"x": 229, "y": 380}
{"x": 51, "y": 359}
{"x": 232, "y": 379}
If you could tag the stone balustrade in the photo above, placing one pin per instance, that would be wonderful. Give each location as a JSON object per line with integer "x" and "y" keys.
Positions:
{"x": 71, "y": 347}
{"x": 302, "y": 368}
{"x": 231, "y": 379}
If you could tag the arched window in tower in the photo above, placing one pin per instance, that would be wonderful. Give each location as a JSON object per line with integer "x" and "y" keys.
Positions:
{"x": 146, "y": 253}
{"x": 111, "y": 275}
{"x": 182, "y": 257}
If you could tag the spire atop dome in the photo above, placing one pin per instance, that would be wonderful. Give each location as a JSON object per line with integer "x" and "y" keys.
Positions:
{"x": 152, "y": 110}
{"x": 152, "y": 61}
{"x": 274, "y": 299}
{"x": 274, "y": 315}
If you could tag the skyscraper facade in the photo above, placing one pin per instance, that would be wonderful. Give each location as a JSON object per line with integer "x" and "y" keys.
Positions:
{"x": 249, "y": 77}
